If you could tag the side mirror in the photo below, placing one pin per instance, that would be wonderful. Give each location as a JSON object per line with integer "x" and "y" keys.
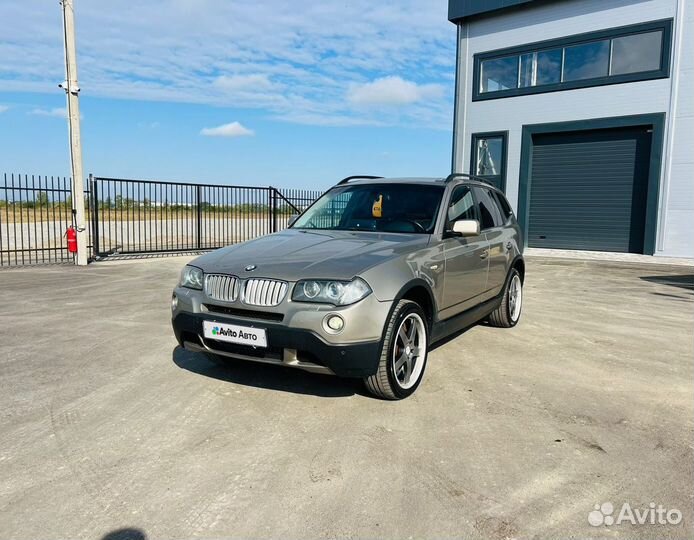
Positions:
{"x": 467, "y": 227}
{"x": 292, "y": 219}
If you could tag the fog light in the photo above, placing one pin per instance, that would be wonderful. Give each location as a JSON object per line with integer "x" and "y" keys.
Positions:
{"x": 174, "y": 302}
{"x": 335, "y": 323}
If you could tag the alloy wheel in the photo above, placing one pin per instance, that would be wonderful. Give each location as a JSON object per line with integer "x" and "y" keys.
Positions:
{"x": 409, "y": 351}
{"x": 515, "y": 298}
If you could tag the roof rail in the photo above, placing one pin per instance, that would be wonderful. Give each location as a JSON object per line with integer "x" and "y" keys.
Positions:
{"x": 453, "y": 176}
{"x": 362, "y": 176}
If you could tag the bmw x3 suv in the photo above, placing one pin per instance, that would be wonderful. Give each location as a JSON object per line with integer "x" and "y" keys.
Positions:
{"x": 362, "y": 283}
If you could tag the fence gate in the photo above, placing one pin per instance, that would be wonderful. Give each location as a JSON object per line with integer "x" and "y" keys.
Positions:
{"x": 128, "y": 217}
{"x": 140, "y": 216}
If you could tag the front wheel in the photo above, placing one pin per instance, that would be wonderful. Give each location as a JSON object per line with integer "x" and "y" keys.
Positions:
{"x": 509, "y": 311}
{"x": 403, "y": 355}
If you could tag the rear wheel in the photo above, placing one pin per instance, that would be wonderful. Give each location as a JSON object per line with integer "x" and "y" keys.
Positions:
{"x": 403, "y": 355}
{"x": 509, "y": 312}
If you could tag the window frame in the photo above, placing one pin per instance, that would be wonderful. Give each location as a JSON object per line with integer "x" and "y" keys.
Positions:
{"x": 664, "y": 25}
{"x": 501, "y": 199}
{"x": 344, "y": 188}
{"x": 475, "y": 137}
{"x": 492, "y": 198}
{"x": 450, "y": 200}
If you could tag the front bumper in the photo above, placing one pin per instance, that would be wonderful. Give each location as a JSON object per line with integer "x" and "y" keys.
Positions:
{"x": 293, "y": 347}
{"x": 295, "y": 332}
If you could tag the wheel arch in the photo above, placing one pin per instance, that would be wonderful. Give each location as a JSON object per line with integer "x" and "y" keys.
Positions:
{"x": 519, "y": 264}
{"x": 419, "y": 291}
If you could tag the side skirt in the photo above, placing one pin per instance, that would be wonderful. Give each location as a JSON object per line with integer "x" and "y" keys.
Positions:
{"x": 445, "y": 328}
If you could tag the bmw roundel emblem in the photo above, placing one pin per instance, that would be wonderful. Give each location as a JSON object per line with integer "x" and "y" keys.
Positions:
{"x": 251, "y": 267}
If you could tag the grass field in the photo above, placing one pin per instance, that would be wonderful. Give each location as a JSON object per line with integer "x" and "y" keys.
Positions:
{"x": 30, "y": 214}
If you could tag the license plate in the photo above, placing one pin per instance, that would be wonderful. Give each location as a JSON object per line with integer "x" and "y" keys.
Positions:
{"x": 232, "y": 333}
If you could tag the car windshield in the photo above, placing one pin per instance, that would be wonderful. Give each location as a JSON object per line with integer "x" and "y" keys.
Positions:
{"x": 396, "y": 208}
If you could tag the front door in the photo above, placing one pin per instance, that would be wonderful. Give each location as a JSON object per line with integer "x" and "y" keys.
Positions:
{"x": 467, "y": 259}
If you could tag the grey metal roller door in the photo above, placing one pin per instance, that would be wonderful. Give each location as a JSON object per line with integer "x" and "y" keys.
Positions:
{"x": 588, "y": 190}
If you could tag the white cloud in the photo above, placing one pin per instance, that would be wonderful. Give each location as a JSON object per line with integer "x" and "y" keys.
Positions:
{"x": 392, "y": 91}
{"x": 291, "y": 60}
{"x": 57, "y": 112}
{"x": 4, "y": 108}
{"x": 234, "y": 129}
{"x": 243, "y": 82}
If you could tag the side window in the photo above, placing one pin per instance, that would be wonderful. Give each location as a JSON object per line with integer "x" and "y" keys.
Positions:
{"x": 504, "y": 207}
{"x": 489, "y": 157}
{"x": 462, "y": 205}
{"x": 490, "y": 216}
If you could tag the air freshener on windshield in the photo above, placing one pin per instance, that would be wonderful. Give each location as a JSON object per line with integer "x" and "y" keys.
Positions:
{"x": 377, "y": 208}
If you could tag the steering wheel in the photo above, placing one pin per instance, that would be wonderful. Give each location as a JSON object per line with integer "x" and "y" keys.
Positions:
{"x": 418, "y": 226}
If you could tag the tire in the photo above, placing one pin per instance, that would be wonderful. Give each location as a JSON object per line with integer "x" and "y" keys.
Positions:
{"x": 508, "y": 313}
{"x": 401, "y": 346}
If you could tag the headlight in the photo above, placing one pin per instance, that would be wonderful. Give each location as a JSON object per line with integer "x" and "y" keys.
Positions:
{"x": 338, "y": 293}
{"x": 192, "y": 278}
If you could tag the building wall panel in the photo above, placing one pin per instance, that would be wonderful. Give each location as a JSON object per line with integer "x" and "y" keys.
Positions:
{"x": 543, "y": 21}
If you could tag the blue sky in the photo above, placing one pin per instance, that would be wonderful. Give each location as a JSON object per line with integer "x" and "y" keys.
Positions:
{"x": 251, "y": 92}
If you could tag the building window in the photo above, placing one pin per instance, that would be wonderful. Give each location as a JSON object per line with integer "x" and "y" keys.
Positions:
{"x": 538, "y": 68}
{"x": 587, "y": 61}
{"x": 626, "y": 54}
{"x": 499, "y": 74}
{"x": 636, "y": 53}
{"x": 488, "y": 157}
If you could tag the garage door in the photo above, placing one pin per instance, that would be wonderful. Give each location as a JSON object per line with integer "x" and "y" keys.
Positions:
{"x": 588, "y": 189}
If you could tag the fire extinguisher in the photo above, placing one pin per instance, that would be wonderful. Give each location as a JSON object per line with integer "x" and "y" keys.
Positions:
{"x": 71, "y": 234}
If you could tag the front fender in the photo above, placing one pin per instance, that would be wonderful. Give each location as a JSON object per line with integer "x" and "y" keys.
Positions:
{"x": 390, "y": 278}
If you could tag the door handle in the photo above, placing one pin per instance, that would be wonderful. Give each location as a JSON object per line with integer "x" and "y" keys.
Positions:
{"x": 509, "y": 245}
{"x": 484, "y": 254}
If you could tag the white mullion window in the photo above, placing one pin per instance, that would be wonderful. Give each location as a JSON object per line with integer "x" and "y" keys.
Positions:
{"x": 609, "y": 61}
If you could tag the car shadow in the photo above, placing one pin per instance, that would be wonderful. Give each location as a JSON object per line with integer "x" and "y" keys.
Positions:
{"x": 681, "y": 281}
{"x": 455, "y": 335}
{"x": 269, "y": 377}
{"x": 127, "y": 533}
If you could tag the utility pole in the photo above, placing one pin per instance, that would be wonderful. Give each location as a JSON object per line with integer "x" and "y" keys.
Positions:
{"x": 73, "y": 112}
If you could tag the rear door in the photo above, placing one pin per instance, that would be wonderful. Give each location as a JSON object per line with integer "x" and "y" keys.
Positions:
{"x": 498, "y": 236}
{"x": 465, "y": 277}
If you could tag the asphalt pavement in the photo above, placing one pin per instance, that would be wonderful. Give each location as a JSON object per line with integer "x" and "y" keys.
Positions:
{"x": 107, "y": 426}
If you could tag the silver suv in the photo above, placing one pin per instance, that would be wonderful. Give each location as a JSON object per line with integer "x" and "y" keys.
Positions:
{"x": 362, "y": 283}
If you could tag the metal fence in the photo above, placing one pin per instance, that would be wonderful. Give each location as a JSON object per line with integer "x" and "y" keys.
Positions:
{"x": 290, "y": 202}
{"x": 35, "y": 212}
{"x": 140, "y": 216}
{"x": 129, "y": 217}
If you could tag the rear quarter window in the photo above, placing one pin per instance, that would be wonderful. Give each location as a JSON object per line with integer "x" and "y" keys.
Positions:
{"x": 488, "y": 207}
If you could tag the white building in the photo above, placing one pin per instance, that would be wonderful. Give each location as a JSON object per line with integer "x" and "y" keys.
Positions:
{"x": 583, "y": 112}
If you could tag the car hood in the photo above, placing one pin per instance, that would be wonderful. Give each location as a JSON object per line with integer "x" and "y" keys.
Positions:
{"x": 302, "y": 254}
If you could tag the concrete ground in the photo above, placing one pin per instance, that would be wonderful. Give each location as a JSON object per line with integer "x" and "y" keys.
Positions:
{"x": 106, "y": 426}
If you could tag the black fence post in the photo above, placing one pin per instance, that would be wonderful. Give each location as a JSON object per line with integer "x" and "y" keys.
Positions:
{"x": 96, "y": 248}
{"x": 273, "y": 206}
{"x": 199, "y": 215}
